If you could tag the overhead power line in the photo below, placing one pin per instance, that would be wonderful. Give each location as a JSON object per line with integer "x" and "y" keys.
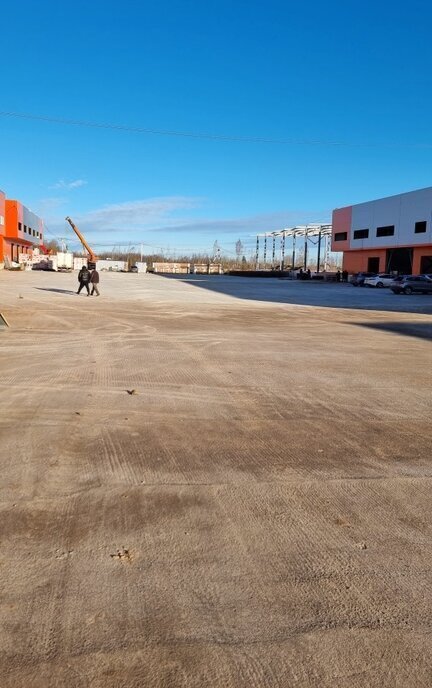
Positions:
{"x": 206, "y": 135}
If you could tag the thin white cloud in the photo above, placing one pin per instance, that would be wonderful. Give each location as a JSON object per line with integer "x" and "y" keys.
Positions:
{"x": 75, "y": 184}
{"x": 167, "y": 219}
{"x": 49, "y": 208}
{"x": 264, "y": 222}
{"x": 167, "y": 214}
{"x": 141, "y": 214}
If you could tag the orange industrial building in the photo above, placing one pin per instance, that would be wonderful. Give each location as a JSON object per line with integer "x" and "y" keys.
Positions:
{"x": 21, "y": 231}
{"x": 391, "y": 234}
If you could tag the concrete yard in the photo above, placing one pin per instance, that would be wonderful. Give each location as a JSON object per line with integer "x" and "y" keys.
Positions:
{"x": 257, "y": 513}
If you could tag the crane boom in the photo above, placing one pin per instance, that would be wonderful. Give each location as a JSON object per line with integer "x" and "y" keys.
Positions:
{"x": 91, "y": 257}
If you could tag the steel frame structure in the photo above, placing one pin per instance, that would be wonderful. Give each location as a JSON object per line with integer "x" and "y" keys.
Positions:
{"x": 321, "y": 231}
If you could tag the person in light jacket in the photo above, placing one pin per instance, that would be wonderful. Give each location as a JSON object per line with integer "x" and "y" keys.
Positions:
{"x": 94, "y": 281}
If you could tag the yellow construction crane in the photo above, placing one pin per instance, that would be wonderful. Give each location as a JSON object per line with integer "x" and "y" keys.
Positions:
{"x": 92, "y": 257}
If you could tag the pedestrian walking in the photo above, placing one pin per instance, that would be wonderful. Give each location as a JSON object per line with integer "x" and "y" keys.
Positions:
{"x": 94, "y": 281}
{"x": 84, "y": 279}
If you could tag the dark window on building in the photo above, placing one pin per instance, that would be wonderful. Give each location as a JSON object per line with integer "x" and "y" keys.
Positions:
{"x": 19, "y": 227}
{"x": 361, "y": 233}
{"x": 340, "y": 236}
{"x": 385, "y": 231}
{"x": 420, "y": 227}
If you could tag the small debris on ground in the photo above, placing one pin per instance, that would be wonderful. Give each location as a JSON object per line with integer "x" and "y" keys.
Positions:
{"x": 131, "y": 391}
{"x": 342, "y": 522}
{"x": 63, "y": 555}
{"x": 123, "y": 555}
{"x": 363, "y": 545}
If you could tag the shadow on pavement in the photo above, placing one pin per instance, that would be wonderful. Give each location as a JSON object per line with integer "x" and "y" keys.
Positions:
{"x": 420, "y": 330}
{"x": 58, "y": 291}
{"x": 308, "y": 293}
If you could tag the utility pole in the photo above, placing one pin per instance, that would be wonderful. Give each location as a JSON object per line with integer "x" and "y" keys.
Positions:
{"x": 293, "y": 251}
{"x": 282, "y": 256}
{"x": 216, "y": 252}
{"x": 239, "y": 250}
{"x": 326, "y": 253}
{"x": 319, "y": 251}
{"x": 63, "y": 244}
{"x": 305, "y": 250}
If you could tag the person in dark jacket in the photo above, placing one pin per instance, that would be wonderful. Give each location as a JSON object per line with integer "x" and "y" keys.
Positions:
{"x": 84, "y": 279}
{"x": 94, "y": 280}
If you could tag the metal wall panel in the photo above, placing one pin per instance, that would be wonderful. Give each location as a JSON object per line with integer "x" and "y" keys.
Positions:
{"x": 402, "y": 211}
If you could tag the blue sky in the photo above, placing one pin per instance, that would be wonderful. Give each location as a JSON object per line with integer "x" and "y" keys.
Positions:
{"x": 355, "y": 74}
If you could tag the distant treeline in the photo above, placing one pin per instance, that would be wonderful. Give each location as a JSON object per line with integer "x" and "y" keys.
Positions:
{"x": 227, "y": 263}
{"x": 234, "y": 263}
{"x": 149, "y": 258}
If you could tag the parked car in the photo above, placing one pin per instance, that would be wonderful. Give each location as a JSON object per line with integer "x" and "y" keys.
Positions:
{"x": 357, "y": 280}
{"x": 410, "y": 284}
{"x": 381, "y": 280}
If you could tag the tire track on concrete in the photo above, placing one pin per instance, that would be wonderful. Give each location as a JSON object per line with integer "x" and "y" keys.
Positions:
{"x": 120, "y": 463}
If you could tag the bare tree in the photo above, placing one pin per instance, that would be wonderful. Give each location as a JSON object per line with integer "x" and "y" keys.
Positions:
{"x": 53, "y": 246}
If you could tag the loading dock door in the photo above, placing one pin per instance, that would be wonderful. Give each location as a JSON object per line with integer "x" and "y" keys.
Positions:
{"x": 426, "y": 265}
{"x": 373, "y": 264}
{"x": 399, "y": 260}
